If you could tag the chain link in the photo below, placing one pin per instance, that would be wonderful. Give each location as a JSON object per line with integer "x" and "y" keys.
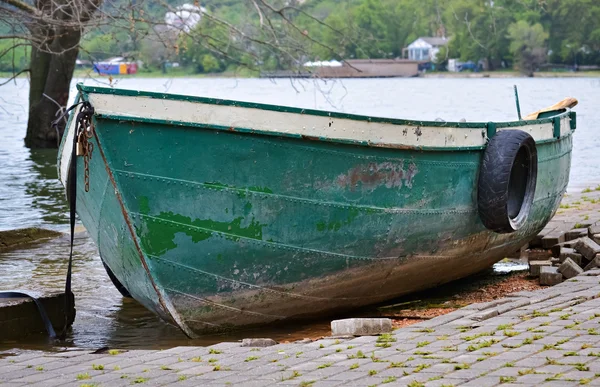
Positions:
{"x": 85, "y": 131}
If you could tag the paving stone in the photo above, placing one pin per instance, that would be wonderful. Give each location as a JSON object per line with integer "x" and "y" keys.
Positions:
{"x": 444, "y": 382}
{"x": 594, "y": 263}
{"x": 569, "y": 268}
{"x": 576, "y": 233}
{"x": 484, "y": 381}
{"x": 553, "y": 238}
{"x": 550, "y": 276}
{"x": 256, "y": 342}
{"x": 586, "y": 247}
{"x": 361, "y": 326}
{"x": 535, "y": 267}
{"x": 570, "y": 253}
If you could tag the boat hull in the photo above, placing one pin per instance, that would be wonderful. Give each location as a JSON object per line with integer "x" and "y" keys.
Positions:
{"x": 216, "y": 229}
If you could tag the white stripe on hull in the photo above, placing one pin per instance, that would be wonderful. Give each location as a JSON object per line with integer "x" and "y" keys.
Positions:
{"x": 376, "y": 133}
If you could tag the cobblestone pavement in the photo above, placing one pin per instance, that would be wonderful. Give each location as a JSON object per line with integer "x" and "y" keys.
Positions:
{"x": 548, "y": 337}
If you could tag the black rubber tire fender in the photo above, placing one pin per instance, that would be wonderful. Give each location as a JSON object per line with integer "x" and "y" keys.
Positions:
{"x": 122, "y": 289}
{"x": 507, "y": 181}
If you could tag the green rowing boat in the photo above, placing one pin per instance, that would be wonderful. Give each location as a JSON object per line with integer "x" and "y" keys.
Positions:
{"x": 217, "y": 214}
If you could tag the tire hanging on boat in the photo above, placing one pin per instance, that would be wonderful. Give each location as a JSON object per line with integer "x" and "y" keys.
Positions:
{"x": 507, "y": 181}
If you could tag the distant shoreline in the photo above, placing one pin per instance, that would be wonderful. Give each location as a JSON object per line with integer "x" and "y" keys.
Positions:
{"x": 462, "y": 75}
{"x": 512, "y": 74}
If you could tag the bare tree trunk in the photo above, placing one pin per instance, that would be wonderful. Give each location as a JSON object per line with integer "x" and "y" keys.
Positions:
{"x": 51, "y": 75}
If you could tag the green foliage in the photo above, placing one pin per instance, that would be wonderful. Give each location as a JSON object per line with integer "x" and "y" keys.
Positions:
{"x": 498, "y": 33}
{"x": 14, "y": 55}
{"x": 527, "y": 45}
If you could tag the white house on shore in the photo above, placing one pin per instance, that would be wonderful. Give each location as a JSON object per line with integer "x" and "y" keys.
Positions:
{"x": 425, "y": 48}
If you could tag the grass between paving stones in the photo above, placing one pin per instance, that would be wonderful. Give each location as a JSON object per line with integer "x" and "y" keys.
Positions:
{"x": 84, "y": 376}
{"x": 421, "y": 367}
{"x": 294, "y": 375}
{"x": 213, "y": 351}
{"x": 478, "y": 335}
{"x": 251, "y": 358}
{"x": 463, "y": 366}
{"x": 326, "y": 365}
{"x": 389, "y": 379}
{"x": 482, "y": 344}
{"x": 359, "y": 355}
{"x": 385, "y": 340}
{"x": 307, "y": 383}
{"x": 139, "y": 380}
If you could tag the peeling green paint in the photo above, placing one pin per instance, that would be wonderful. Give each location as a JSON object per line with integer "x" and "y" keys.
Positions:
{"x": 158, "y": 237}
{"x": 260, "y": 189}
{"x": 144, "y": 205}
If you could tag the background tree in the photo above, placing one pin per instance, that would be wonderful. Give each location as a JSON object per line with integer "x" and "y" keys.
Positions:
{"x": 528, "y": 45}
{"x": 53, "y": 30}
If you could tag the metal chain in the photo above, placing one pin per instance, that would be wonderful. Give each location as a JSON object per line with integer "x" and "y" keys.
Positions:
{"x": 85, "y": 148}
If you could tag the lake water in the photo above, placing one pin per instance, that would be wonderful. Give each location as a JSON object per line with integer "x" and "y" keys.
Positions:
{"x": 30, "y": 194}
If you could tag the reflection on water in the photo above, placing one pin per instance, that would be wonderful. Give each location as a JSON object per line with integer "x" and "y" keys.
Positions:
{"x": 48, "y": 195}
{"x": 30, "y": 194}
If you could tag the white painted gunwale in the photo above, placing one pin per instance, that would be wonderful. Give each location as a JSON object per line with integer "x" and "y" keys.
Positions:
{"x": 375, "y": 133}
{"x": 381, "y": 134}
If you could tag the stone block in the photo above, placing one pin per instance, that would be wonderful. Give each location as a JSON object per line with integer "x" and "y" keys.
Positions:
{"x": 255, "y": 342}
{"x": 594, "y": 229}
{"x": 550, "y": 276}
{"x": 535, "y": 266}
{"x": 361, "y": 326}
{"x": 575, "y": 234}
{"x": 553, "y": 238}
{"x": 569, "y": 268}
{"x": 537, "y": 254}
{"x": 586, "y": 247}
{"x": 593, "y": 264}
{"x": 556, "y": 248}
{"x": 596, "y": 238}
{"x": 566, "y": 252}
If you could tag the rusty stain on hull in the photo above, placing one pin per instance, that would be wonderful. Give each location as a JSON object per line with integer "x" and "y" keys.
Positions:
{"x": 373, "y": 175}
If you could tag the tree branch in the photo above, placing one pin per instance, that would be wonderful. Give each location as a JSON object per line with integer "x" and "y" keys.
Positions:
{"x": 14, "y": 76}
{"x": 21, "y": 5}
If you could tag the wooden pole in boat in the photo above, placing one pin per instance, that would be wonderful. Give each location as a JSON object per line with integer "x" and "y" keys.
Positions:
{"x": 517, "y": 102}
